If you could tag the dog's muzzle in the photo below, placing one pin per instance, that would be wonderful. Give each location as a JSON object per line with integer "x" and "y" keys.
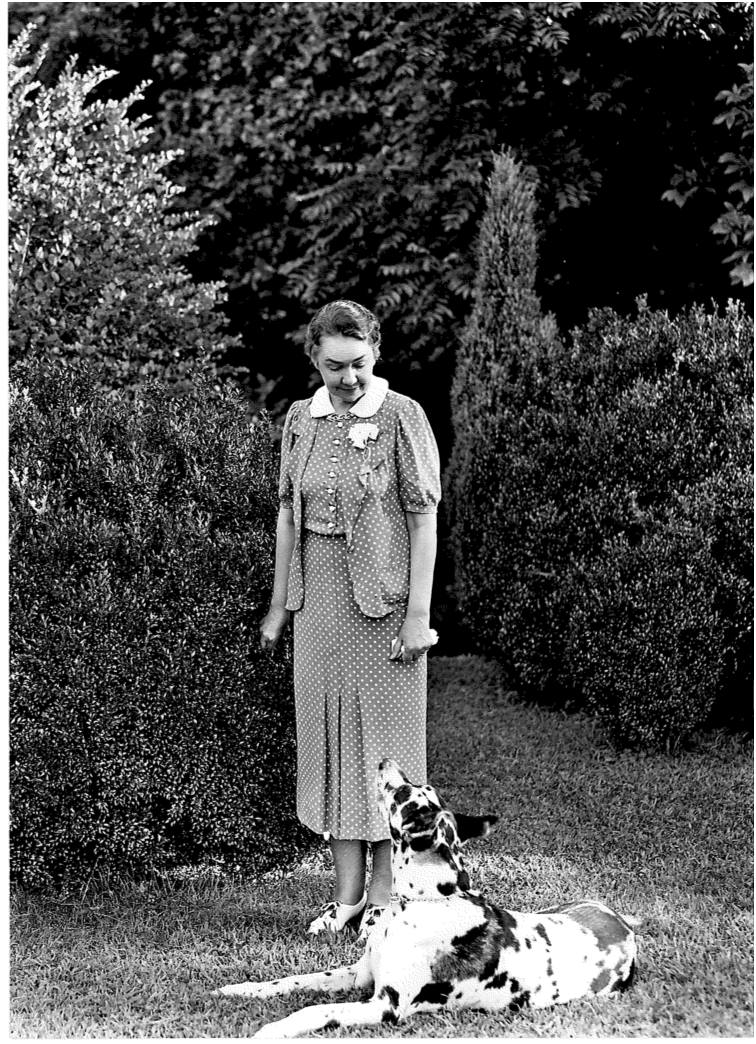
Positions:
{"x": 390, "y": 776}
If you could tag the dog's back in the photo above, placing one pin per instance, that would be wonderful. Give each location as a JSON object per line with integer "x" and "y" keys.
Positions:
{"x": 465, "y": 952}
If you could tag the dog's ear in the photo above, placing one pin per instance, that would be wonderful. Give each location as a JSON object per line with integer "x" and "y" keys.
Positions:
{"x": 474, "y": 826}
{"x": 444, "y": 829}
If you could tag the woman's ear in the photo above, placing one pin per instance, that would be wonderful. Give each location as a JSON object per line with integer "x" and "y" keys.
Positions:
{"x": 469, "y": 827}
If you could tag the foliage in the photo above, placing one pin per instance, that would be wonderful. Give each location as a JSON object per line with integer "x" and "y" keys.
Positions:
{"x": 96, "y": 239}
{"x": 147, "y": 729}
{"x": 345, "y": 150}
{"x": 600, "y": 493}
{"x": 662, "y": 471}
{"x": 647, "y": 644}
{"x": 497, "y": 375}
{"x": 734, "y": 227}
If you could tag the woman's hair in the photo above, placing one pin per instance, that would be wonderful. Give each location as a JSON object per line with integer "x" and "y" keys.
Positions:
{"x": 345, "y": 318}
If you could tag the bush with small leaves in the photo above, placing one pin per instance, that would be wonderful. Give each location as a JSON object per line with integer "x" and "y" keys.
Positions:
{"x": 148, "y": 730}
{"x": 662, "y": 443}
{"x": 721, "y": 507}
{"x": 96, "y": 238}
{"x": 647, "y": 644}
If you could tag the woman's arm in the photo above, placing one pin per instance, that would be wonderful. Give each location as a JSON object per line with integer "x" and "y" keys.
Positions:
{"x": 415, "y": 631}
{"x": 277, "y": 617}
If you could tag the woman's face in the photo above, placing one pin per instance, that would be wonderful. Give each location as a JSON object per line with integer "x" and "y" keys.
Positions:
{"x": 346, "y": 366}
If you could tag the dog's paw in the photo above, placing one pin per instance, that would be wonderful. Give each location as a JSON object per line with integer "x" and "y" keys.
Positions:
{"x": 271, "y": 1031}
{"x": 239, "y": 989}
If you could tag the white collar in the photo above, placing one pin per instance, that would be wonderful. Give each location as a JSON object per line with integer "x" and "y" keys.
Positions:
{"x": 369, "y": 404}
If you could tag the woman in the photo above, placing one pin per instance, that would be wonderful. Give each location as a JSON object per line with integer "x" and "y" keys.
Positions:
{"x": 355, "y": 550}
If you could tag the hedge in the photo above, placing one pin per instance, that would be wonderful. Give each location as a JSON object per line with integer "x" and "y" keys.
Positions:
{"x": 147, "y": 729}
{"x": 601, "y": 493}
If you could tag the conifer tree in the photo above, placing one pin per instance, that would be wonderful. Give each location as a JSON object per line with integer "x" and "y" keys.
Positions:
{"x": 499, "y": 371}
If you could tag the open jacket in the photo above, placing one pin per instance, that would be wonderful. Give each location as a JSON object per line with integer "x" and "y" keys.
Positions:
{"x": 395, "y": 471}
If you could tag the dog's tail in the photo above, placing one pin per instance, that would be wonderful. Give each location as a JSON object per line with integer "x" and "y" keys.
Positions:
{"x": 632, "y": 922}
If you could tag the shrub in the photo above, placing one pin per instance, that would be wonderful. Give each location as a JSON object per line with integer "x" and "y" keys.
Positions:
{"x": 500, "y": 364}
{"x": 147, "y": 729}
{"x": 96, "y": 241}
{"x": 722, "y": 507}
{"x": 600, "y": 494}
{"x": 661, "y": 630}
{"x": 647, "y": 643}
{"x": 662, "y": 439}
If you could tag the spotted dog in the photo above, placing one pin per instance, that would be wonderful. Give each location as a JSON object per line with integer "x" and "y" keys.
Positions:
{"x": 441, "y": 945}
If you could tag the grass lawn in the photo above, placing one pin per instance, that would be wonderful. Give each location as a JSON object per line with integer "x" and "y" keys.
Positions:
{"x": 668, "y": 839}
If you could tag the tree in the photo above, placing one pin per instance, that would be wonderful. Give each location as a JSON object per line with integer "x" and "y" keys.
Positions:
{"x": 499, "y": 385}
{"x": 96, "y": 237}
{"x": 345, "y": 150}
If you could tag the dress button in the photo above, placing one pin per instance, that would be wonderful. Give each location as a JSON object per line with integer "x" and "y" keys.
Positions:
{"x": 337, "y": 442}
{"x": 332, "y": 474}
{"x": 334, "y": 459}
{"x": 331, "y": 507}
{"x": 331, "y": 525}
{"x": 331, "y": 491}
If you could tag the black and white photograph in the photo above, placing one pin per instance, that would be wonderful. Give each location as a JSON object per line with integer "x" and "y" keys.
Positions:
{"x": 380, "y": 520}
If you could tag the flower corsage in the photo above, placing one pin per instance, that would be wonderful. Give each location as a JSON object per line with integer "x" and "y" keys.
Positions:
{"x": 361, "y": 435}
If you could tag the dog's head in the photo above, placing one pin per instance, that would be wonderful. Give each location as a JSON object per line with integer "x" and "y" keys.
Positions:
{"x": 426, "y": 836}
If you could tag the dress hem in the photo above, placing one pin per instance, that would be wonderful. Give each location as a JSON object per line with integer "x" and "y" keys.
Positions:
{"x": 329, "y": 835}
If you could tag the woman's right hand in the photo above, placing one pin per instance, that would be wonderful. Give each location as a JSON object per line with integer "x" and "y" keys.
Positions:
{"x": 272, "y": 627}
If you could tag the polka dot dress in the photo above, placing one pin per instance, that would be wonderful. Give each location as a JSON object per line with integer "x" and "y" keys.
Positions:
{"x": 354, "y": 705}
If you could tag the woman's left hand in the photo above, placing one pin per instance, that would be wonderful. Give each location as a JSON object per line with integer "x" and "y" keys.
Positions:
{"x": 417, "y": 638}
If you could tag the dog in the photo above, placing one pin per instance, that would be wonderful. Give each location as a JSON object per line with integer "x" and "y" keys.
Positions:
{"x": 441, "y": 945}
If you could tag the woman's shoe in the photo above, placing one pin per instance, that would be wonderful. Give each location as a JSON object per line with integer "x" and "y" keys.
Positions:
{"x": 335, "y": 916}
{"x": 369, "y": 920}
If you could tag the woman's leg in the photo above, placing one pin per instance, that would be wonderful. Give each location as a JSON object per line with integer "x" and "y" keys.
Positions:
{"x": 379, "y": 892}
{"x": 349, "y": 863}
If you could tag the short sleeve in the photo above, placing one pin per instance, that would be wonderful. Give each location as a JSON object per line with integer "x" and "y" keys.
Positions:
{"x": 285, "y": 488}
{"x": 417, "y": 461}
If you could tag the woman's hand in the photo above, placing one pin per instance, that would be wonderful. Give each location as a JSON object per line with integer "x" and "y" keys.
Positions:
{"x": 416, "y": 637}
{"x": 273, "y": 626}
